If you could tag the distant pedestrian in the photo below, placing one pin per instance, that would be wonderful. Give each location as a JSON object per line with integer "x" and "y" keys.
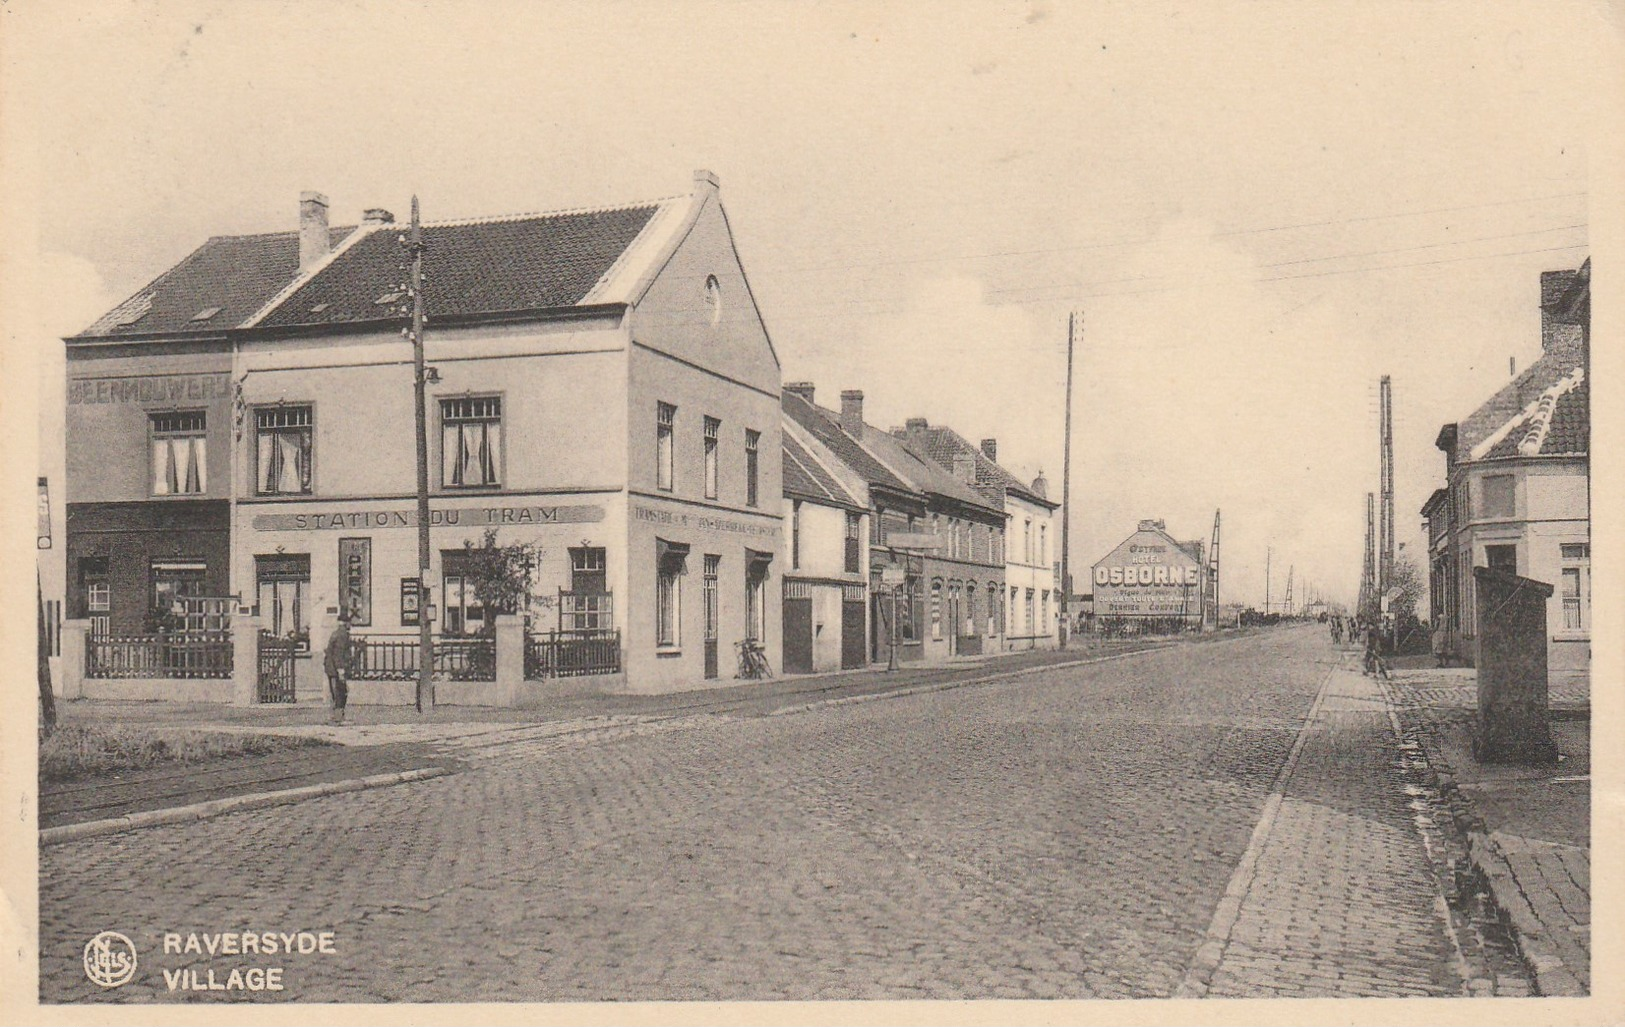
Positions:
{"x": 337, "y": 664}
{"x": 1337, "y": 631}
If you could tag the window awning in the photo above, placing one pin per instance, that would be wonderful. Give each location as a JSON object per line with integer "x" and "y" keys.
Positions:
{"x": 672, "y": 553}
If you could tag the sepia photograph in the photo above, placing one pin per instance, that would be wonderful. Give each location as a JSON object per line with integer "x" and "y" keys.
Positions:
{"x": 736, "y": 510}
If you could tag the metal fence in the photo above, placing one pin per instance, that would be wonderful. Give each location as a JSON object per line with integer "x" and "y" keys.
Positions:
{"x": 564, "y": 654}
{"x": 395, "y": 658}
{"x": 203, "y": 654}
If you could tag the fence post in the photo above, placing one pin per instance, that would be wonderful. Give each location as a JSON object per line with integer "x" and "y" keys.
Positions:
{"x": 75, "y": 633}
{"x": 245, "y": 659}
{"x": 510, "y": 658}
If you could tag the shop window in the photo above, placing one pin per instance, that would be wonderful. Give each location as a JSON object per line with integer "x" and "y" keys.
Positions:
{"x": 282, "y": 584}
{"x": 1576, "y": 585}
{"x": 854, "y": 537}
{"x": 587, "y": 606}
{"x": 172, "y": 582}
{"x": 671, "y": 561}
{"x": 462, "y": 612}
{"x": 283, "y": 444}
{"x": 713, "y": 428}
{"x": 179, "y": 454}
{"x": 665, "y": 425}
{"x": 753, "y": 443}
{"x": 1497, "y": 495}
{"x": 471, "y": 442}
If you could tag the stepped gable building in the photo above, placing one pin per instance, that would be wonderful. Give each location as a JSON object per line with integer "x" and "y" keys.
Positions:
{"x": 601, "y": 384}
{"x": 1517, "y": 492}
{"x": 1031, "y": 559}
{"x": 826, "y": 574}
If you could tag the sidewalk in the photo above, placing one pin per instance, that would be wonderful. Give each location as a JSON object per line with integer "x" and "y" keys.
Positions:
{"x": 1527, "y": 827}
{"x": 1339, "y": 892}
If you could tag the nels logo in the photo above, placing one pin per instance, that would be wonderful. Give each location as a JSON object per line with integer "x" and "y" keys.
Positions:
{"x": 110, "y": 959}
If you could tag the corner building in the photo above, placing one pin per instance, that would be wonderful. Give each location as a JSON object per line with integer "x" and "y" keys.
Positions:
{"x": 600, "y": 384}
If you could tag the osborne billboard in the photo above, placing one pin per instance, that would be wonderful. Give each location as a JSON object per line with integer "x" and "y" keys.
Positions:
{"x": 1150, "y": 574}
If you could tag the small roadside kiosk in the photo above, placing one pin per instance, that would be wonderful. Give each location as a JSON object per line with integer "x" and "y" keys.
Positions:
{"x": 1150, "y": 583}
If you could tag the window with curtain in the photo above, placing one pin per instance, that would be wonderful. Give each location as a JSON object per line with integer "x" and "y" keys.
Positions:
{"x": 179, "y": 451}
{"x": 283, "y": 591}
{"x": 283, "y": 438}
{"x": 471, "y": 442}
{"x": 1576, "y": 585}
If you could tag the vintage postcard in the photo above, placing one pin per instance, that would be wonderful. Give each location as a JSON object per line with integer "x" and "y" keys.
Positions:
{"x": 1025, "y": 511}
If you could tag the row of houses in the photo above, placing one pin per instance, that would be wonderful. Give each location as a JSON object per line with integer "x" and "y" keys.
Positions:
{"x": 1517, "y": 490}
{"x": 601, "y": 386}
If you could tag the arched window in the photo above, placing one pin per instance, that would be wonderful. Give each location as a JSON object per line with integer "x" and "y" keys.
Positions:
{"x": 970, "y": 608}
{"x": 936, "y": 608}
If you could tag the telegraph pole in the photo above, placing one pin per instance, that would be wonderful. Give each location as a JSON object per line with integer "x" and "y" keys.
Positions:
{"x": 1072, "y": 328}
{"x": 425, "y": 689}
{"x": 1267, "y": 554}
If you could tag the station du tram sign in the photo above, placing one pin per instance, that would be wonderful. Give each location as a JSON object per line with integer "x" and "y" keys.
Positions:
{"x": 1148, "y": 575}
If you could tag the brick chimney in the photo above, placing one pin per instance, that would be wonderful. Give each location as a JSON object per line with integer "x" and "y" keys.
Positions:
{"x": 802, "y": 389}
{"x": 965, "y": 467}
{"x": 377, "y": 216}
{"x": 313, "y": 238}
{"x": 990, "y": 449}
{"x": 852, "y": 412}
{"x": 916, "y": 424}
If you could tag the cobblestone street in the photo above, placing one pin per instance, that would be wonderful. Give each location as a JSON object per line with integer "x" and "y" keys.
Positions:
{"x": 1065, "y": 834}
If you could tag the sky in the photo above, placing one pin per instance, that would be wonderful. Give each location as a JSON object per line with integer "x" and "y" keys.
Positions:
{"x": 1256, "y": 209}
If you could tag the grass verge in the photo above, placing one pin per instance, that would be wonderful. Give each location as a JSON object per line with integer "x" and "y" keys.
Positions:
{"x": 78, "y": 751}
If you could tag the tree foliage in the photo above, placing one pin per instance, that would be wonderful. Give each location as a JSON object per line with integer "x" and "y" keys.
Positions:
{"x": 503, "y": 577}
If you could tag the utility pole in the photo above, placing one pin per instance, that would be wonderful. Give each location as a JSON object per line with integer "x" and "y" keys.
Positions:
{"x": 425, "y": 689}
{"x": 1385, "y": 527}
{"x": 1287, "y": 602}
{"x": 1072, "y": 328}
{"x": 1267, "y": 554}
{"x": 1368, "y": 573}
{"x": 1213, "y": 572}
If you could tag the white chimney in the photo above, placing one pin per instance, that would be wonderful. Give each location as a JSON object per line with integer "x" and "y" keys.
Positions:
{"x": 313, "y": 237}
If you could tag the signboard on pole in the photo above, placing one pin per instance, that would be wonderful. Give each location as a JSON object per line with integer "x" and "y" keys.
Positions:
{"x": 893, "y": 575}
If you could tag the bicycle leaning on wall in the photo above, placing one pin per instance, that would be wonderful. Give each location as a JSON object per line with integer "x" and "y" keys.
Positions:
{"x": 752, "y": 660}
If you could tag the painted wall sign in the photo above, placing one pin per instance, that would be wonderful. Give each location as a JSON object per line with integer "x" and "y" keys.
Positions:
{"x": 704, "y": 522}
{"x": 187, "y": 388}
{"x": 470, "y": 517}
{"x": 355, "y": 579}
{"x": 1148, "y": 575}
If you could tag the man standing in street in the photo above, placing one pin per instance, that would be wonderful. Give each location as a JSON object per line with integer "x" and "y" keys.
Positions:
{"x": 337, "y": 664}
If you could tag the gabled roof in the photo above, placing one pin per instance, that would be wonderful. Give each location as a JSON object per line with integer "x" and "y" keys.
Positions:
{"x": 1555, "y": 423}
{"x": 824, "y": 426}
{"x": 925, "y": 475}
{"x": 489, "y": 266}
{"x": 527, "y": 262}
{"x": 806, "y": 478}
{"x": 941, "y": 445}
{"x": 234, "y": 275}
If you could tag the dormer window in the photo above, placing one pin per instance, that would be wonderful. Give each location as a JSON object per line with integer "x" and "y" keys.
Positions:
{"x": 205, "y": 314}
